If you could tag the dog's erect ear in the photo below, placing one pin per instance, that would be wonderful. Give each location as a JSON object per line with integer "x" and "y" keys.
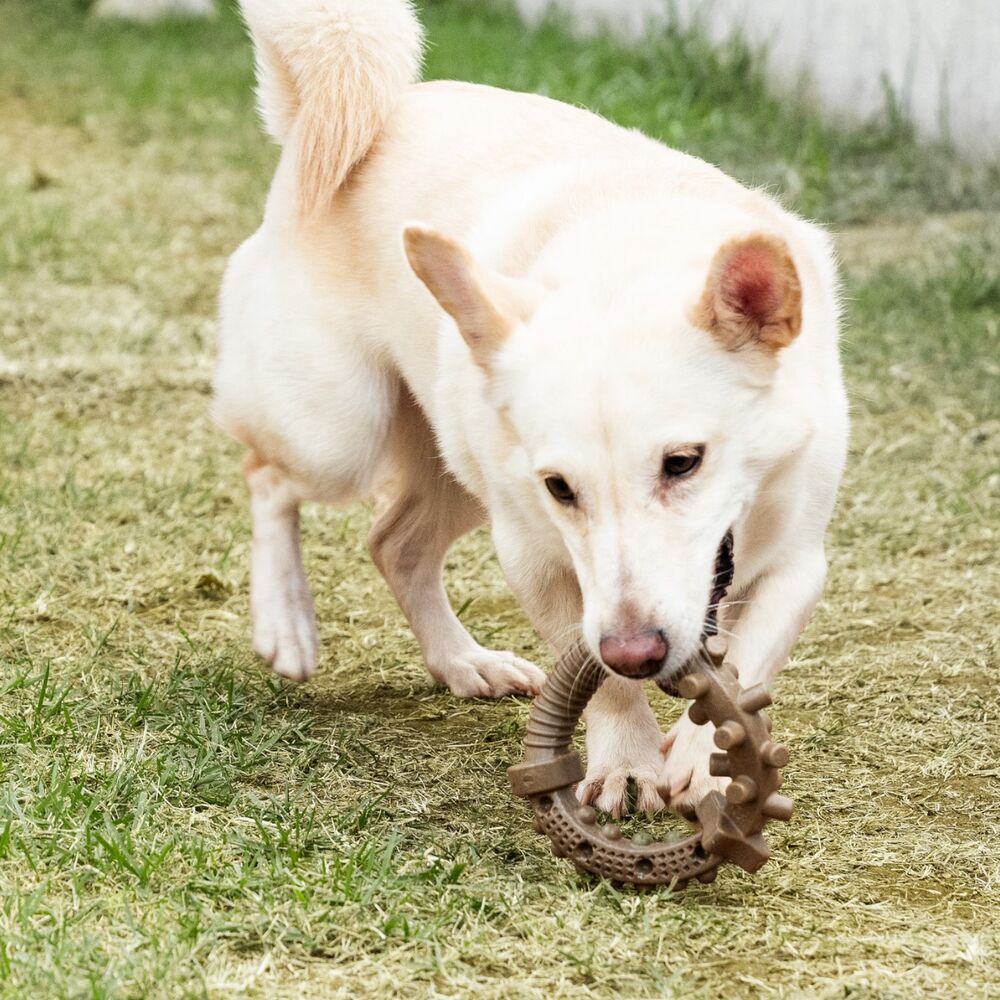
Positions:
{"x": 486, "y": 306}
{"x": 753, "y": 296}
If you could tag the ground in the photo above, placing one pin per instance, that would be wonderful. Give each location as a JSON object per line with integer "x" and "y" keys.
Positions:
{"x": 174, "y": 822}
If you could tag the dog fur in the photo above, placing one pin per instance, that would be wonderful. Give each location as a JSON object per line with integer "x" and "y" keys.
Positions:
{"x": 462, "y": 299}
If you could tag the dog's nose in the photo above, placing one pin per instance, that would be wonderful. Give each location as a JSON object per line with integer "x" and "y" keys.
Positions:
{"x": 639, "y": 654}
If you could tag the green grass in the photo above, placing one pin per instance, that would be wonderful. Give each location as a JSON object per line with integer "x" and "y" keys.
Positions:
{"x": 173, "y": 822}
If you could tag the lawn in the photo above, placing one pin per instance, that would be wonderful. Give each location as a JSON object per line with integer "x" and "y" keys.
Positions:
{"x": 174, "y": 822}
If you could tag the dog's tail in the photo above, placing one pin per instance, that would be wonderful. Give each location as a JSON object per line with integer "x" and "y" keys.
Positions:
{"x": 329, "y": 73}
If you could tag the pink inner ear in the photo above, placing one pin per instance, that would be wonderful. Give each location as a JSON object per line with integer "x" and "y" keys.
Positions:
{"x": 750, "y": 283}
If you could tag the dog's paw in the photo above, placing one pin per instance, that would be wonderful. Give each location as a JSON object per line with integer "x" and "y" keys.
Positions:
{"x": 684, "y": 779}
{"x": 623, "y": 741}
{"x": 487, "y": 673}
{"x": 615, "y": 754}
{"x": 284, "y": 633}
{"x": 606, "y": 788}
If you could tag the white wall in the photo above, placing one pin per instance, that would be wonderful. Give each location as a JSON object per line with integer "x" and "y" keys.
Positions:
{"x": 940, "y": 57}
{"x": 151, "y": 10}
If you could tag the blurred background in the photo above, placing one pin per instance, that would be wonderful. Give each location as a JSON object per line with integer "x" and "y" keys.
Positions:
{"x": 173, "y": 822}
{"x": 933, "y": 63}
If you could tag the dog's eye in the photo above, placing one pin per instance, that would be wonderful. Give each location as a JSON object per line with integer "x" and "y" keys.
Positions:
{"x": 560, "y": 489}
{"x": 682, "y": 463}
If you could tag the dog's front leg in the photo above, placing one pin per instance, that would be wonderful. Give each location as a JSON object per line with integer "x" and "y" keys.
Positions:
{"x": 623, "y": 737}
{"x": 623, "y": 741}
{"x": 760, "y": 640}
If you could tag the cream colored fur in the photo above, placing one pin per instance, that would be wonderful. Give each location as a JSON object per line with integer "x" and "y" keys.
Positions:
{"x": 331, "y": 71}
{"x": 570, "y": 299}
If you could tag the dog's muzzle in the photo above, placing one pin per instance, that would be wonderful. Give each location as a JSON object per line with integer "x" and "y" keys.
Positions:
{"x": 722, "y": 580}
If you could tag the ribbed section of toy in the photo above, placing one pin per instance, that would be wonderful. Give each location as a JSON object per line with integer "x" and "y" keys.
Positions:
{"x": 556, "y": 711}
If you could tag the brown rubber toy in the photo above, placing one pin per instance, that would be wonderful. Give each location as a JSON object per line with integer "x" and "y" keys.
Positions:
{"x": 731, "y": 823}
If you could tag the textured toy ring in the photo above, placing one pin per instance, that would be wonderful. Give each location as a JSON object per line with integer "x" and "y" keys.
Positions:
{"x": 731, "y": 822}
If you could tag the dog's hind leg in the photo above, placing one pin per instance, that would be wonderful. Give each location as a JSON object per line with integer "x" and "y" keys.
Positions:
{"x": 294, "y": 385}
{"x": 422, "y": 510}
{"x": 284, "y": 622}
{"x": 336, "y": 446}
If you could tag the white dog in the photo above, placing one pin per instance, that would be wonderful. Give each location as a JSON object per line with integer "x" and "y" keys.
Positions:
{"x": 480, "y": 304}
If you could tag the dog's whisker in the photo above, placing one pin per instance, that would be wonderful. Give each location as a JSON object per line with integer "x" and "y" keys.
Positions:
{"x": 726, "y": 632}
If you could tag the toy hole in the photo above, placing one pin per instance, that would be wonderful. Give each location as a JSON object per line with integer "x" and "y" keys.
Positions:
{"x": 545, "y": 803}
{"x": 584, "y": 850}
{"x": 644, "y": 866}
{"x": 699, "y": 852}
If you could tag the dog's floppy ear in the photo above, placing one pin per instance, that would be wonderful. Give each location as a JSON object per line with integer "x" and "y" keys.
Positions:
{"x": 485, "y": 306}
{"x": 752, "y": 296}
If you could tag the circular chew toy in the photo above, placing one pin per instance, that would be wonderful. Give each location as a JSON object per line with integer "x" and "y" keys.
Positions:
{"x": 731, "y": 822}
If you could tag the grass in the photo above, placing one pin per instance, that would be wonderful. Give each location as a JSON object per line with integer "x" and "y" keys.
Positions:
{"x": 174, "y": 822}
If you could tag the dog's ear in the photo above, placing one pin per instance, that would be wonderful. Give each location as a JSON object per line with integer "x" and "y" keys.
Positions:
{"x": 485, "y": 306}
{"x": 752, "y": 296}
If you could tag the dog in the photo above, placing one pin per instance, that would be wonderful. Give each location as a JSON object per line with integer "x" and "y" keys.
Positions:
{"x": 473, "y": 305}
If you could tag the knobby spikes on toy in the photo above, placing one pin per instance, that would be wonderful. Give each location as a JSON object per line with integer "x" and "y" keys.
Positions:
{"x": 731, "y": 822}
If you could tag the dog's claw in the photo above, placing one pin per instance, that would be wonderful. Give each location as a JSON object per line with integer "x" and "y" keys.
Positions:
{"x": 609, "y": 792}
{"x": 589, "y": 793}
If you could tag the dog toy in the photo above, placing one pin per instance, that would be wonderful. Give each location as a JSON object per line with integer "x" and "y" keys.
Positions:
{"x": 731, "y": 821}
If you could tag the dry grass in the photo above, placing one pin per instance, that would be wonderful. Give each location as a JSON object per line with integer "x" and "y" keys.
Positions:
{"x": 175, "y": 823}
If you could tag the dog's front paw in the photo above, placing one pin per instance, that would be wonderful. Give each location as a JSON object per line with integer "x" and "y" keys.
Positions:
{"x": 684, "y": 779}
{"x": 612, "y": 758}
{"x": 606, "y": 788}
{"x": 486, "y": 673}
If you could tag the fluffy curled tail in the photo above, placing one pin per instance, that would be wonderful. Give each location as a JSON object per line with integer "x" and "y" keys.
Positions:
{"x": 329, "y": 73}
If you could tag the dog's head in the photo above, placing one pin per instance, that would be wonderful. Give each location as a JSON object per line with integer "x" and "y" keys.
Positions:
{"x": 637, "y": 419}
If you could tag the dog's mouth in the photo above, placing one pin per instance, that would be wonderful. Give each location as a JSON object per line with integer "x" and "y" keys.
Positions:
{"x": 722, "y": 581}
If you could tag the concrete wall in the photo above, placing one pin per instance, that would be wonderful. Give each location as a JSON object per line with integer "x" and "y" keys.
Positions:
{"x": 941, "y": 58}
